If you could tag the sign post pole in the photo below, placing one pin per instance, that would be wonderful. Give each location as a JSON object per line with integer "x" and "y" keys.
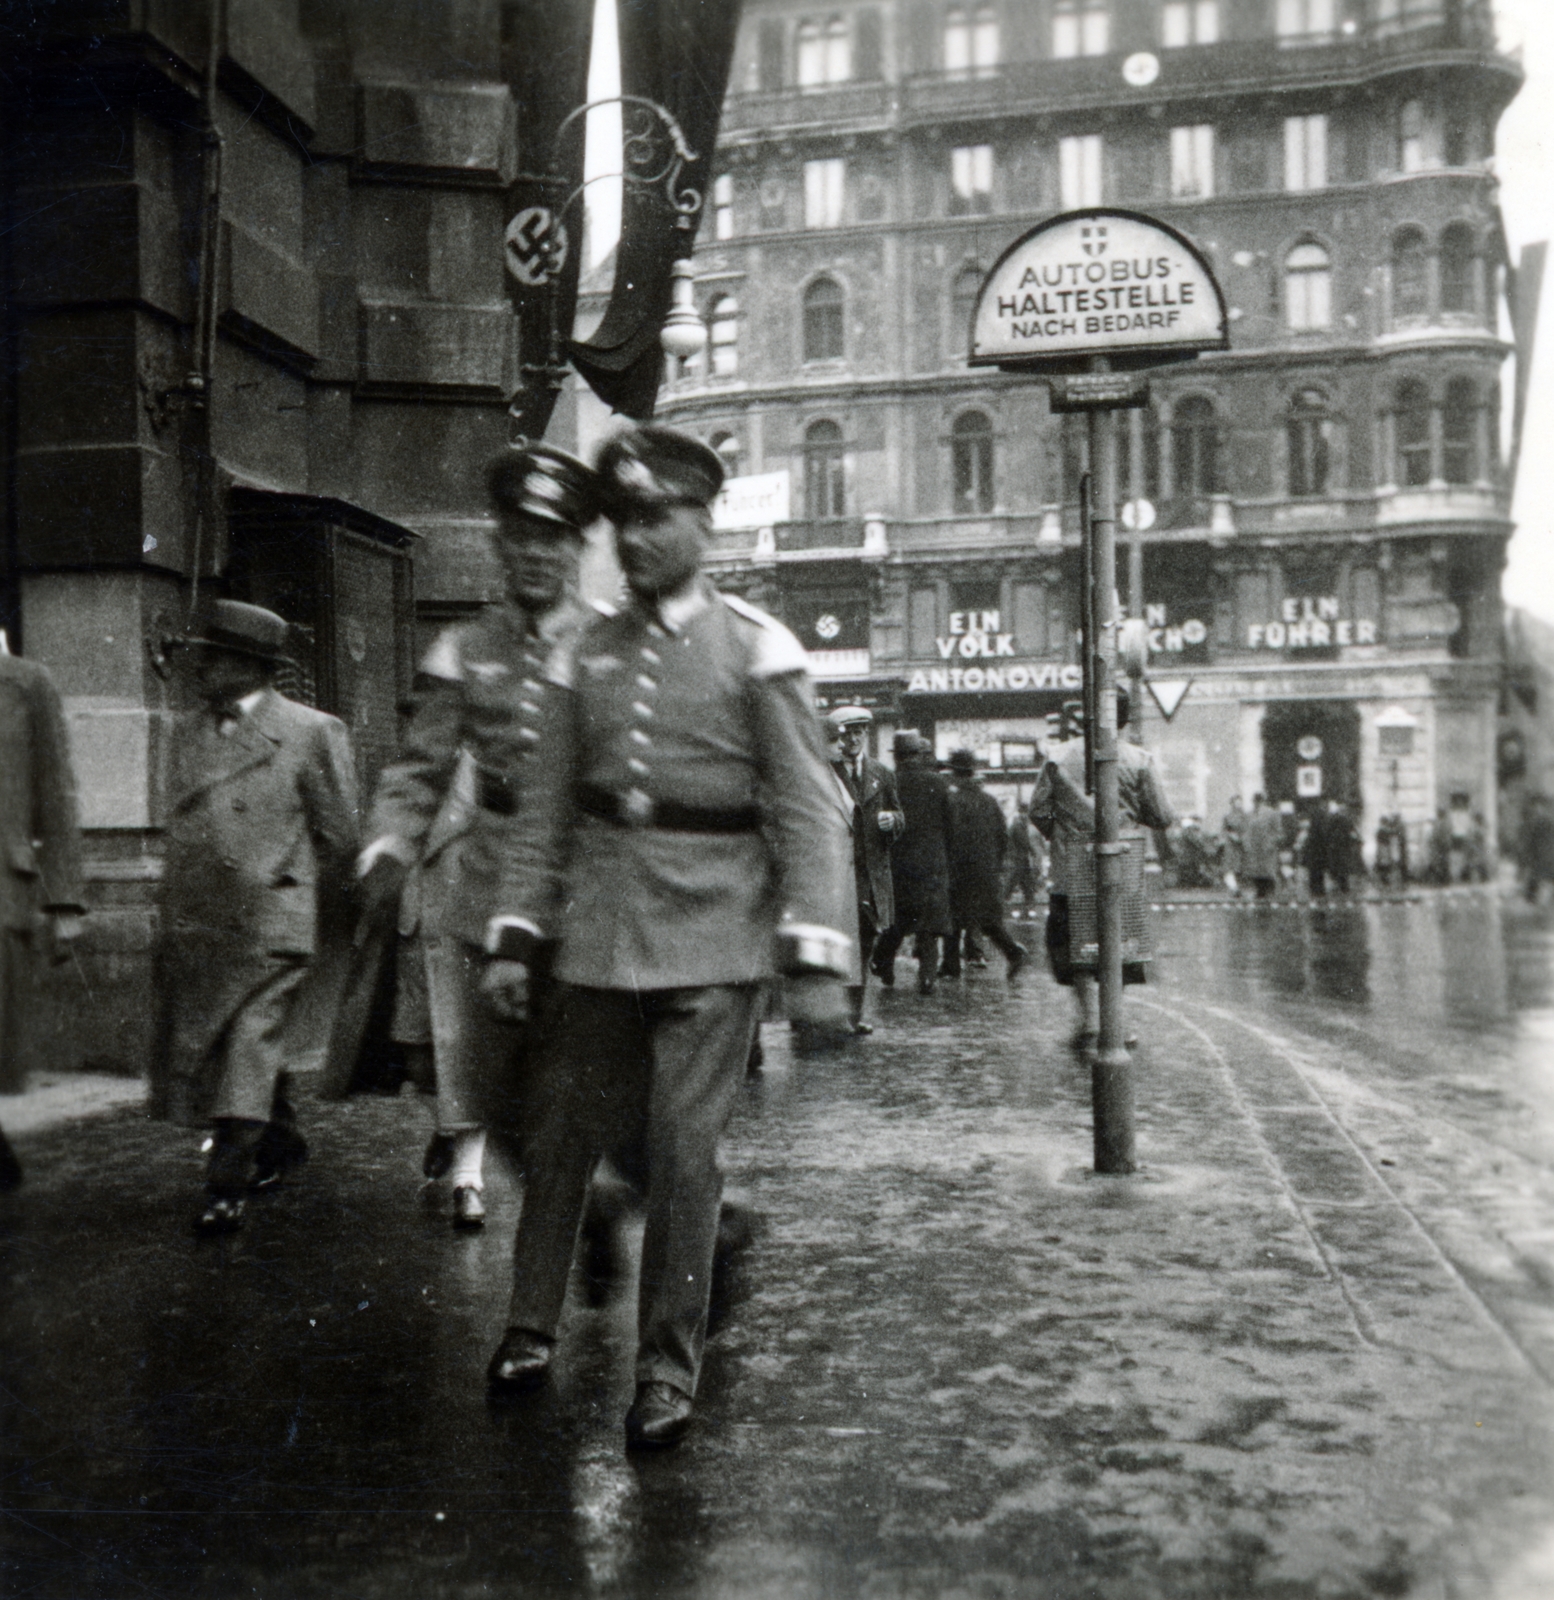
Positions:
{"x": 1111, "y": 1076}
{"x": 1089, "y": 300}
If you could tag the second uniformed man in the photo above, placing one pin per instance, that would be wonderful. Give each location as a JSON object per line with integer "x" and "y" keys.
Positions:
{"x": 688, "y": 823}
{"x": 480, "y": 690}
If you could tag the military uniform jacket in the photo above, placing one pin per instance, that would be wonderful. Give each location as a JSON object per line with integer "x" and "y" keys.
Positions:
{"x": 259, "y": 819}
{"x": 481, "y": 688}
{"x": 40, "y": 842}
{"x": 703, "y": 703}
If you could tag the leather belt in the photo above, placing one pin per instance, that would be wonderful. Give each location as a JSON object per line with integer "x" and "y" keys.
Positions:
{"x": 634, "y": 809}
{"x": 494, "y": 791}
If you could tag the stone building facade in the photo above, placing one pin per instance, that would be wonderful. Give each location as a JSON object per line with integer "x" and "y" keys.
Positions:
{"x": 1326, "y": 505}
{"x": 363, "y": 353}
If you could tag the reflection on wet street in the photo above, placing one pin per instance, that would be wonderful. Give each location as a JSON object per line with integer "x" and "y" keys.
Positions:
{"x": 1307, "y": 1353}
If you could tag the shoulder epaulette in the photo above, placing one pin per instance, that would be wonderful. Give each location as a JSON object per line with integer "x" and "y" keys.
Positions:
{"x": 776, "y": 650}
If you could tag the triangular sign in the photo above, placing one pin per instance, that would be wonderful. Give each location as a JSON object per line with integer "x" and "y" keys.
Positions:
{"x": 1168, "y": 694}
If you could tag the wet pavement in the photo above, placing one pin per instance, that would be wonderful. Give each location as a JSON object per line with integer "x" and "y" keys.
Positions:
{"x": 1307, "y": 1352}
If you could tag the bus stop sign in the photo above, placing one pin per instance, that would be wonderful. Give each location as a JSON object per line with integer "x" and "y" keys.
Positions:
{"x": 1097, "y": 283}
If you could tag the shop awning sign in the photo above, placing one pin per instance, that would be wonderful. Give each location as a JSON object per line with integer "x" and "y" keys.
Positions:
{"x": 1098, "y": 283}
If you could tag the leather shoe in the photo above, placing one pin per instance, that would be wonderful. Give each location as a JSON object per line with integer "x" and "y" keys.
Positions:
{"x": 861, "y": 1028}
{"x": 925, "y": 985}
{"x": 521, "y": 1361}
{"x": 885, "y": 972}
{"x": 279, "y": 1149}
{"x": 658, "y": 1417}
{"x": 223, "y": 1213}
{"x": 468, "y": 1209}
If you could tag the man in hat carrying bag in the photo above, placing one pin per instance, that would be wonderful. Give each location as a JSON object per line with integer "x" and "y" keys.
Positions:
{"x": 262, "y": 815}
{"x": 920, "y": 865}
{"x": 683, "y": 842}
{"x": 978, "y": 840}
{"x": 479, "y": 693}
{"x": 867, "y": 794}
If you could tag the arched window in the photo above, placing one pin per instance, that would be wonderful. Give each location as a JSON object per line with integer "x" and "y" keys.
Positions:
{"x": 971, "y": 462}
{"x": 1459, "y": 432}
{"x": 725, "y": 336}
{"x": 1410, "y": 277}
{"x": 1081, "y": 27}
{"x": 1195, "y": 448}
{"x": 1308, "y": 287}
{"x": 957, "y": 41}
{"x": 1458, "y": 266}
{"x": 963, "y": 300}
{"x": 1411, "y": 420}
{"x": 823, "y": 320}
{"x": 824, "y": 56}
{"x": 1309, "y": 431}
{"x": 728, "y": 451}
{"x": 825, "y": 472}
{"x": 984, "y": 41}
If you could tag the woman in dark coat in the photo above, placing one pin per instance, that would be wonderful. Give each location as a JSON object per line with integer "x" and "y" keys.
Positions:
{"x": 919, "y": 864}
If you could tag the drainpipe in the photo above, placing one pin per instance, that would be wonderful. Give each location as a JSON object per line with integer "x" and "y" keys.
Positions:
{"x": 198, "y": 383}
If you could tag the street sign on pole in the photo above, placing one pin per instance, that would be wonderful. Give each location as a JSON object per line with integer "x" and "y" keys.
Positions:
{"x": 1086, "y": 300}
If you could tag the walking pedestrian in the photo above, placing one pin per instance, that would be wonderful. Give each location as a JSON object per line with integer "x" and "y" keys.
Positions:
{"x": 1233, "y": 837}
{"x": 919, "y": 865}
{"x": 1537, "y": 846}
{"x": 977, "y": 843}
{"x": 1263, "y": 838}
{"x": 867, "y": 792}
{"x": 480, "y": 690}
{"x": 1392, "y": 850}
{"x": 262, "y": 818}
{"x": 1024, "y": 856}
{"x": 683, "y": 841}
{"x": 42, "y": 902}
{"x": 1065, "y": 814}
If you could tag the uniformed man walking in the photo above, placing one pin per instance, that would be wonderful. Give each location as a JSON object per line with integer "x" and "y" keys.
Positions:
{"x": 263, "y": 815}
{"x": 686, "y": 849}
{"x": 480, "y": 689}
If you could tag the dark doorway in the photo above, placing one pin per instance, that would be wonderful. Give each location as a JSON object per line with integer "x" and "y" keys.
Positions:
{"x": 1311, "y": 753}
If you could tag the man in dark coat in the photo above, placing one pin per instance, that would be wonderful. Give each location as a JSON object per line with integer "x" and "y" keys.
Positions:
{"x": 919, "y": 865}
{"x": 41, "y": 898}
{"x": 262, "y": 817}
{"x": 866, "y": 791}
{"x": 682, "y": 841}
{"x": 977, "y": 844}
{"x": 480, "y": 690}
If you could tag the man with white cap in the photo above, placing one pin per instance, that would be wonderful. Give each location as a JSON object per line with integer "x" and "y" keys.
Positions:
{"x": 866, "y": 790}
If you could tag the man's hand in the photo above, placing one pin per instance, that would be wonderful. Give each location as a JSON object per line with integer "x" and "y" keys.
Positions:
{"x": 892, "y": 822}
{"x": 381, "y": 878}
{"x": 61, "y": 930}
{"x": 505, "y": 985}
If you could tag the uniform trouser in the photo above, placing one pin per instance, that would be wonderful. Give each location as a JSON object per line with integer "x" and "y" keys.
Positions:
{"x": 658, "y": 1071}
{"x": 925, "y": 947}
{"x": 252, "y": 1052}
{"x": 478, "y": 1056}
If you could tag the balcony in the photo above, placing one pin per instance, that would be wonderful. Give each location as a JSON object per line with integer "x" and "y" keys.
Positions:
{"x": 834, "y": 108}
{"x": 1232, "y": 67}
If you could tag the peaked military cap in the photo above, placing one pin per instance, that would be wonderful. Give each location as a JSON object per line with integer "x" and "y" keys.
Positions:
{"x": 547, "y": 484}
{"x": 850, "y": 716}
{"x": 656, "y": 466}
{"x": 237, "y": 626}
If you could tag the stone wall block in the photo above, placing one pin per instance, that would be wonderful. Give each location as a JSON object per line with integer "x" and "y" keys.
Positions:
{"x": 433, "y": 345}
{"x": 271, "y": 294}
{"x": 93, "y": 506}
{"x": 462, "y": 132}
{"x": 262, "y": 41}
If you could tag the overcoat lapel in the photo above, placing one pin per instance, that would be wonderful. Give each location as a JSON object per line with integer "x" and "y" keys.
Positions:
{"x": 206, "y": 757}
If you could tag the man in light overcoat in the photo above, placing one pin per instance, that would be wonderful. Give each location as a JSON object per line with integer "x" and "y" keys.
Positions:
{"x": 262, "y": 817}
{"x": 866, "y": 793}
{"x": 41, "y": 896}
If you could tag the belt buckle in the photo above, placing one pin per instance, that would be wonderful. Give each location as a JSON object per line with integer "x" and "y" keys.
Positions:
{"x": 636, "y": 808}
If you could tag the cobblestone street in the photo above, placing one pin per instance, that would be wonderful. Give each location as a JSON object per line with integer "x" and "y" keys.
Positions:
{"x": 1308, "y": 1351}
